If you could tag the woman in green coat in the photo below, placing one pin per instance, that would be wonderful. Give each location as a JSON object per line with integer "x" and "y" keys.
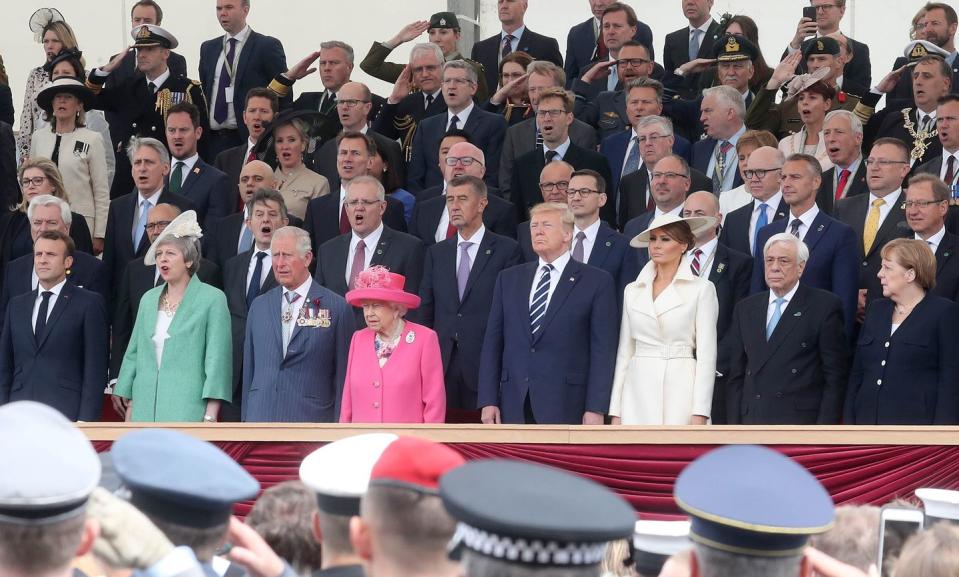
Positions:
{"x": 178, "y": 365}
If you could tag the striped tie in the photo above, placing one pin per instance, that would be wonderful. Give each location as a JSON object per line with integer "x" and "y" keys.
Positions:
{"x": 537, "y": 310}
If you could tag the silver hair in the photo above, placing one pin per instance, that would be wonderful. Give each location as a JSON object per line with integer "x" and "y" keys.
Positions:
{"x": 728, "y": 96}
{"x": 188, "y": 246}
{"x": 138, "y": 143}
{"x": 367, "y": 179}
{"x": 341, "y": 45}
{"x": 802, "y": 251}
{"x": 716, "y": 563}
{"x": 461, "y": 65}
{"x": 854, "y": 121}
{"x": 664, "y": 123}
{"x": 49, "y": 200}
{"x": 427, "y": 48}
{"x": 302, "y": 237}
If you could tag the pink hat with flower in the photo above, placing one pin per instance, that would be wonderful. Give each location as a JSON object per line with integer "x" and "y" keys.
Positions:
{"x": 377, "y": 283}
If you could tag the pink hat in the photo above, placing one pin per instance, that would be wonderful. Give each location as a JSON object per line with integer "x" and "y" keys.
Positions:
{"x": 377, "y": 283}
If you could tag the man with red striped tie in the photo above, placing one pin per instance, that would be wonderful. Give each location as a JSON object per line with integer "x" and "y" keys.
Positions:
{"x": 842, "y": 132}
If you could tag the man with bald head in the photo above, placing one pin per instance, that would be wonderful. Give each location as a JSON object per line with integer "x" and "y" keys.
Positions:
{"x": 431, "y": 220}
{"x": 730, "y": 272}
{"x": 742, "y": 226}
{"x": 230, "y": 236}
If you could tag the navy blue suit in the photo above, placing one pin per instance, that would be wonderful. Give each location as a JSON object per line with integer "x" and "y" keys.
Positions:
{"x": 87, "y": 272}
{"x": 581, "y": 47}
{"x": 910, "y": 377}
{"x": 499, "y": 217}
{"x": 461, "y": 323}
{"x": 525, "y": 193}
{"x": 487, "y": 52}
{"x": 832, "y": 264}
{"x": 210, "y": 191}
{"x": 947, "y": 268}
{"x": 322, "y": 218}
{"x": 703, "y": 150}
{"x": 735, "y": 232}
{"x": 730, "y": 273}
{"x": 564, "y": 370}
{"x": 66, "y": 366}
{"x": 614, "y": 149}
{"x": 486, "y": 130}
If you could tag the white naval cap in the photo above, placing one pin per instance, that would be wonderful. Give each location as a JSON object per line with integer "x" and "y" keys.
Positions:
{"x": 920, "y": 48}
{"x": 153, "y": 35}
{"x": 339, "y": 472}
{"x": 49, "y": 466}
{"x": 656, "y": 541}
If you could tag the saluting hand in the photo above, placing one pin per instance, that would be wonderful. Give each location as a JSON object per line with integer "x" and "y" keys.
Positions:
{"x": 889, "y": 82}
{"x": 115, "y": 61}
{"x": 698, "y": 65}
{"x": 784, "y": 71}
{"x": 601, "y": 70}
{"x": 411, "y": 31}
{"x": 303, "y": 68}
{"x": 502, "y": 95}
{"x": 402, "y": 85}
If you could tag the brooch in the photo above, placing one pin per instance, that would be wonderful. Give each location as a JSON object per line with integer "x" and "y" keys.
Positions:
{"x": 410, "y": 337}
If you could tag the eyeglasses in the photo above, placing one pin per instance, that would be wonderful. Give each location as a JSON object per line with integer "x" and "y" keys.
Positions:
{"x": 668, "y": 175}
{"x": 825, "y": 7}
{"x": 919, "y": 203}
{"x": 550, "y": 186}
{"x": 350, "y": 103}
{"x": 158, "y": 225}
{"x": 456, "y": 81}
{"x": 582, "y": 192}
{"x": 759, "y": 173}
{"x": 464, "y": 160}
{"x": 883, "y": 162}
{"x": 632, "y": 62}
{"x": 35, "y": 181}
{"x": 357, "y": 202}
{"x": 652, "y": 138}
{"x": 555, "y": 113}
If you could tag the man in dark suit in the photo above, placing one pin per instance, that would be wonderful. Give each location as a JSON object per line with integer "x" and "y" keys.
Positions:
{"x": 459, "y": 275}
{"x": 431, "y": 220}
{"x": 877, "y": 217}
{"x": 936, "y": 26}
{"x": 741, "y": 227}
{"x": 486, "y": 130}
{"x": 691, "y": 42}
{"x": 550, "y": 342}
{"x": 232, "y": 64}
{"x": 722, "y": 116}
{"x": 789, "y": 355}
{"x": 842, "y": 133}
{"x": 730, "y": 272}
{"x": 832, "y": 264}
{"x": 230, "y": 235}
{"x": 259, "y": 110}
{"x": 606, "y": 110}
{"x": 126, "y": 236}
{"x": 368, "y": 243}
{"x": 926, "y": 204}
{"x": 585, "y": 44}
{"x": 514, "y": 36}
{"x": 619, "y": 26}
{"x": 946, "y": 165}
{"x": 53, "y": 347}
{"x": 553, "y": 117}
{"x": 208, "y": 188}
{"x": 523, "y": 137}
{"x": 594, "y": 242}
{"x": 247, "y": 276}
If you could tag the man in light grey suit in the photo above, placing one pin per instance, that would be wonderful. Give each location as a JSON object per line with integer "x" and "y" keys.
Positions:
{"x": 297, "y": 341}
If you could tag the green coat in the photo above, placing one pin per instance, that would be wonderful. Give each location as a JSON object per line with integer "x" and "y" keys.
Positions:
{"x": 197, "y": 362}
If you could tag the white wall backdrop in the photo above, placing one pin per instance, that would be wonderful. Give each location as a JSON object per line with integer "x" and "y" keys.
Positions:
{"x": 102, "y": 26}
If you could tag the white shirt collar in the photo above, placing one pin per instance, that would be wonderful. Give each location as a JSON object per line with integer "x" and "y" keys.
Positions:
{"x": 807, "y": 217}
{"x": 773, "y": 201}
{"x": 188, "y": 163}
{"x": 786, "y": 298}
{"x": 517, "y": 34}
{"x": 702, "y": 28}
{"x": 462, "y": 115}
{"x": 476, "y": 239}
{"x": 678, "y": 211}
{"x": 303, "y": 290}
{"x": 708, "y": 249}
{"x": 159, "y": 80}
{"x": 591, "y": 231}
{"x": 559, "y": 264}
{"x": 371, "y": 239}
{"x": 240, "y": 36}
{"x": 153, "y": 198}
{"x": 890, "y": 199}
{"x": 55, "y": 290}
{"x": 934, "y": 239}
{"x": 561, "y": 149}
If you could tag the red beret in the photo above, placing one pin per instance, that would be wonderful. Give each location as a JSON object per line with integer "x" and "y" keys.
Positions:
{"x": 414, "y": 463}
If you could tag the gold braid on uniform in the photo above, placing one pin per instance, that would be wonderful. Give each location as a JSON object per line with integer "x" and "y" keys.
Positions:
{"x": 280, "y": 85}
{"x": 408, "y": 125}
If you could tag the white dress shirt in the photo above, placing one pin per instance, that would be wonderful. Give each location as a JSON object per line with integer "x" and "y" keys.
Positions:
{"x": 339, "y": 209}
{"x": 678, "y": 211}
{"x": 440, "y": 234}
{"x": 188, "y": 164}
{"x": 136, "y": 210}
{"x": 514, "y": 45}
{"x": 267, "y": 264}
{"x": 890, "y": 200}
{"x": 933, "y": 240}
{"x": 53, "y": 301}
{"x": 771, "y": 308}
{"x": 159, "y": 80}
{"x": 370, "y": 243}
{"x": 771, "y": 205}
{"x": 806, "y": 220}
{"x": 945, "y": 166}
{"x": 303, "y": 290}
{"x": 706, "y": 260}
{"x": 243, "y": 227}
{"x": 559, "y": 265}
{"x": 250, "y": 145}
{"x": 462, "y": 116}
{"x": 560, "y": 150}
{"x": 473, "y": 250}
{"x": 231, "y": 116}
{"x": 590, "y": 241}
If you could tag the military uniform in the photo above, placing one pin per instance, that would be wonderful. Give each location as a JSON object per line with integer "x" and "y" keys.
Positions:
{"x": 399, "y": 121}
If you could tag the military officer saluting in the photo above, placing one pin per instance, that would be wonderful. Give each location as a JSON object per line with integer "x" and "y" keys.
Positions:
{"x": 142, "y": 102}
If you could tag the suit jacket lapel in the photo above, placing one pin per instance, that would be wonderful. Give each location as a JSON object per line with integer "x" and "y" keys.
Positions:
{"x": 311, "y": 294}
{"x": 379, "y": 254}
{"x": 944, "y": 252}
{"x": 818, "y": 229}
{"x": 530, "y": 276}
{"x": 889, "y": 229}
{"x": 858, "y": 224}
{"x": 484, "y": 253}
{"x": 63, "y": 301}
{"x": 720, "y": 262}
{"x": 601, "y": 246}
{"x": 191, "y": 177}
{"x": 781, "y": 212}
{"x": 568, "y": 278}
{"x": 791, "y": 316}
{"x": 248, "y": 49}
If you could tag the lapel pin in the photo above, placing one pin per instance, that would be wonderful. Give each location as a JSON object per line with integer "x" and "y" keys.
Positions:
{"x": 945, "y": 254}
{"x": 797, "y": 314}
{"x": 821, "y": 226}
{"x": 572, "y": 279}
{"x": 720, "y": 267}
{"x": 609, "y": 243}
{"x": 410, "y": 337}
{"x": 379, "y": 251}
{"x": 488, "y": 251}
{"x": 196, "y": 170}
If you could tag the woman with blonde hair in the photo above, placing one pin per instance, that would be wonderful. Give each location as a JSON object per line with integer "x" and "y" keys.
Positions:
{"x": 297, "y": 183}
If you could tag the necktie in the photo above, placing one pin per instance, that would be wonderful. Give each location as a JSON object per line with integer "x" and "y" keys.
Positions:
{"x": 291, "y": 297}
{"x": 872, "y": 225}
{"x": 454, "y": 123}
{"x": 924, "y": 122}
{"x": 950, "y": 170}
{"x": 551, "y": 156}
{"x": 579, "y": 250}
{"x": 761, "y": 220}
{"x": 613, "y": 79}
{"x": 538, "y": 308}
{"x": 777, "y": 314}
{"x": 344, "y": 220}
{"x": 252, "y": 156}
{"x": 695, "y": 265}
{"x": 719, "y": 171}
{"x": 539, "y": 138}
{"x": 463, "y": 270}
{"x": 507, "y": 45}
{"x": 359, "y": 263}
{"x": 841, "y": 186}
{"x": 450, "y": 230}
{"x": 176, "y": 177}
{"x": 793, "y": 228}
{"x": 226, "y": 79}
{"x": 141, "y": 225}
{"x": 42, "y": 315}
{"x": 152, "y": 87}
{"x": 632, "y": 161}
{"x": 429, "y": 102}
{"x": 329, "y": 102}
{"x": 246, "y": 239}
{"x": 650, "y": 201}
{"x": 55, "y": 156}
{"x": 254, "y": 289}
{"x": 694, "y": 44}
{"x": 601, "y": 52}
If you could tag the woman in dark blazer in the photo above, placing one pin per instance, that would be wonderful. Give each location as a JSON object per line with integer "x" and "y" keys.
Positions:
{"x": 906, "y": 369}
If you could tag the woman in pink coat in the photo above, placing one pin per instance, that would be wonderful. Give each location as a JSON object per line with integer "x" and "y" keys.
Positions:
{"x": 395, "y": 372}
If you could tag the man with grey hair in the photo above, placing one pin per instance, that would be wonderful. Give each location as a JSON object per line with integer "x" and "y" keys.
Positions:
{"x": 297, "y": 341}
{"x": 126, "y": 236}
{"x": 486, "y": 129}
{"x": 722, "y": 113}
{"x": 842, "y": 133}
{"x": 789, "y": 356}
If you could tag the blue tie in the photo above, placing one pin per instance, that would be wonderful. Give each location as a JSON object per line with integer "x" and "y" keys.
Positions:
{"x": 246, "y": 239}
{"x": 537, "y": 309}
{"x": 632, "y": 161}
{"x": 777, "y": 314}
{"x": 141, "y": 224}
{"x": 254, "y": 289}
{"x": 761, "y": 221}
{"x": 694, "y": 44}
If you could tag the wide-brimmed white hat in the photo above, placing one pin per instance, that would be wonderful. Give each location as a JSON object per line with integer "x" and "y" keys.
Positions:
{"x": 182, "y": 226}
{"x": 697, "y": 224}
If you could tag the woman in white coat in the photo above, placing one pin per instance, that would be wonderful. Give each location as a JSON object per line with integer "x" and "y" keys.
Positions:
{"x": 666, "y": 361}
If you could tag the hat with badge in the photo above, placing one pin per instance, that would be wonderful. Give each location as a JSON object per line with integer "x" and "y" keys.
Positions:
{"x": 414, "y": 463}
{"x": 444, "y": 20}
{"x": 733, "y": 47}
{"x": 339, "y": 472}
{"x": 753, "y": 501}
{"x": 939, "y": 505}
{"x": 180, "y": 479}
{"x": 822, "y": 45}
{"x": 153, "y": 35}
{"x": 656, "y": 541}
{"x": 533, "y": 515}
{"x": 918, "y": 49}
{"x": 49, "y": 466}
